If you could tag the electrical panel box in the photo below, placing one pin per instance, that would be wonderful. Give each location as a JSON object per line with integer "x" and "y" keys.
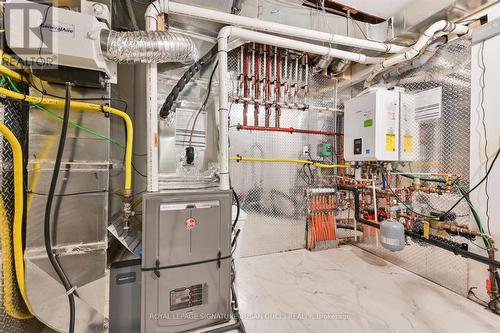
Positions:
{"x": 325, "y": 150}
{"x": 186, "y": 264}
{"x": 371, "y": 127}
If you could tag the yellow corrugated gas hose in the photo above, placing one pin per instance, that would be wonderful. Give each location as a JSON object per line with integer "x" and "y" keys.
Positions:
{"x": 289, "y": 160}
{"x": 17, "y": 225}
{"x": 12, "y": 74}
{"x": 10, "y": 60}
{"x": 17, "y": 235}
{"x": 92, "y": 108}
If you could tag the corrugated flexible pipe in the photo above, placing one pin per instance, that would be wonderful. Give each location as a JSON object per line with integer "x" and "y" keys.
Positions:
{"x": 147, "y": 47}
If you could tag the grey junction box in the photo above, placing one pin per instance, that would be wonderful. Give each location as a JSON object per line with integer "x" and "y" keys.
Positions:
{"x": 186, "y": 278}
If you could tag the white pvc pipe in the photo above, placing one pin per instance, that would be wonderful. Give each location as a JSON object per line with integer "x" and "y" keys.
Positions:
{"x": 222, "y": 41}
{"x": 371, "y": 72}
{"x": 170, "y": 7}
{"x": 151, "y": 18}
{"x": 257, "y": 37}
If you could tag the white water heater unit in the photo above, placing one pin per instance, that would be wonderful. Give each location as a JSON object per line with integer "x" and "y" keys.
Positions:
{"x": 371, "y": 127}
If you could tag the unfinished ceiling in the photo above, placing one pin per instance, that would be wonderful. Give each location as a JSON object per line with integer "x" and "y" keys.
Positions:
{"x": 380, "y": 8}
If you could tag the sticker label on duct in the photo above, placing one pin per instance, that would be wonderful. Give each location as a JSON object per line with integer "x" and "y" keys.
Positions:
{"x": 368, "y": 123}
{"x": 428, "y": 104}
{"x": 390, "y": 142}
{"x": 187, "y": 297}
{"x": 408, "y": 144}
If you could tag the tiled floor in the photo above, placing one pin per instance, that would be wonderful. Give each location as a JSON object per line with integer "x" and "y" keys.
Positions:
{"x": 349, "y": 290}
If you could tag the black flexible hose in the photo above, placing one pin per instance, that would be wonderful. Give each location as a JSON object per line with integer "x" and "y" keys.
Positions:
{"x": 168, "y": 105}
{"x": 237, "y": 208}
{"x": 47, "y": 223}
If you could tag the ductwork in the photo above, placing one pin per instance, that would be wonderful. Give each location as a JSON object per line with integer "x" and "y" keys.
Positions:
{"x": 147, "y": 47}
{"x": 369, "y": 73}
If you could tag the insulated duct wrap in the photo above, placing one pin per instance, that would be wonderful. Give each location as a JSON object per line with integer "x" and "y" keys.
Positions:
{"x": 147, "y": 47}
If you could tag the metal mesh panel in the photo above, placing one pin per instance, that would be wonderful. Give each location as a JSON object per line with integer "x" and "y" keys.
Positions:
{"x": 15, "y": 116}
{"x": 273, "y": 194}
{"x": 444, "y": 147}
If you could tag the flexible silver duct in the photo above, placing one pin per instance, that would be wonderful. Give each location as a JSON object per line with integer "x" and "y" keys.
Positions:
{"x": 147, "y": 47}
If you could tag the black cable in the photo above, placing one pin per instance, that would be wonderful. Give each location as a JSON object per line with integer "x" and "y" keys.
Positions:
{"x": 44, "y": 92}
{"x": 459, "y": 200}
{"x": 168, "y": 105}
{"x": 478, "y": 184}
{"x": 68, "y": 194}
{"x": 406, "y": 206}
{"x": 47, "y": 221}
{"x": 204, "y": 104}
{"x": 237, "y": 208}
{"x": 442, "y": 243}
{"x": 138, "y": 172}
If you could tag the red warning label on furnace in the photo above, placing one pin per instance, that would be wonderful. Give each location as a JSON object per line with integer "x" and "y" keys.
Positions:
{"x": 190, "y": 223}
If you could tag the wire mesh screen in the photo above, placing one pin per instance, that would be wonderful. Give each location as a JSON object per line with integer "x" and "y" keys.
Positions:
{"x": 273, "y": 194}
{"x": 443, "y": 147}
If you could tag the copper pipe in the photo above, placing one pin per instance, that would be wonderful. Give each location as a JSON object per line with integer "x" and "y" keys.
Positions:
{"x": 245, "y": 85}
{"x": 257, "y": 86}
{"x": 278, "y": 89}
{"x": 287, "y": 130}
{"x": 268, "y": 86}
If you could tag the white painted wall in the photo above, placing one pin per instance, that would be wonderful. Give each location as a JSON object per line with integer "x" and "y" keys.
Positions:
{"x": 478, "y": 272}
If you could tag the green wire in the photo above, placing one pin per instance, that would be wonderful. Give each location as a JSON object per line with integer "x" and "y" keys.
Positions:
{"x": 480, "y": 223}
{"x": 71, "y": 122}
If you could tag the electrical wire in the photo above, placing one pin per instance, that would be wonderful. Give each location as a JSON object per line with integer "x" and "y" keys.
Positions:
{"x": 464, "y": 195}
{"x": 477, "y": 185}
{"x": 204, "y": 104}
{"x": 67, "y": 194}
{"x": 236, "y": 219}
{"x": 406, "y": 206}
{"x": 482, "y": 84}
{"x": 47, "y": 221}
{"x": 71, "y": 122}
{"x": 91, "y": 108}
{"x": 43, "y": 91}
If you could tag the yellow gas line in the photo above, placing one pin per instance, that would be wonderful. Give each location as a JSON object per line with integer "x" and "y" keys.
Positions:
{"x": 91, "y": 108}
{"x": 288, "y": 160}
{"x": 18, "y": 215}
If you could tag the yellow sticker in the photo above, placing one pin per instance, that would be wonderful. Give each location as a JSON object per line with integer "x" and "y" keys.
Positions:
{"x": 426, "y": 229}
{"x": 390, "y": 142}
{"x": 408, "y": 144}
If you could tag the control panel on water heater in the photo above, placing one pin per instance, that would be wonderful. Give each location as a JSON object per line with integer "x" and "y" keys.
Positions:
{"x": 371, "y": 127}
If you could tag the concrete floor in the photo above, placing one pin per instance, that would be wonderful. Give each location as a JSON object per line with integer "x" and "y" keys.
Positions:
{"x": 349, "y": 290}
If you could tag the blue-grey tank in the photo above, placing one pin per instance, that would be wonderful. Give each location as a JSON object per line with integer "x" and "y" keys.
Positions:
{"x": 392, "y": 235}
